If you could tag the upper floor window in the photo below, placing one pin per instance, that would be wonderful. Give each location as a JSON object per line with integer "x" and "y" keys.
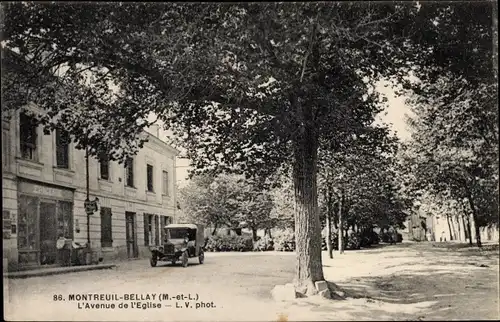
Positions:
{"x": 5, "y": 150}
{"x": 28, "y": 136}
{"x": 129, "y": 172}
{"x": 62, "y": 148}
{"x": 165, "y": 183}
{"x": 149, "y": 171}
{"x": 104, "y": 167}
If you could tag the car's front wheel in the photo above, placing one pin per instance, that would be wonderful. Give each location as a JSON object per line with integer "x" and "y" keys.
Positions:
{"x": 184, "y": 259}
{"x": 153, "y": 261}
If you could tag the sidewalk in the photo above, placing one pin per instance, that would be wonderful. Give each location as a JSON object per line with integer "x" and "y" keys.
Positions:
{"x": 56, "y": 270}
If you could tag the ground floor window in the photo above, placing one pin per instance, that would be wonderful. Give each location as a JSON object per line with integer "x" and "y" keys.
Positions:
{"x": 150, "y": 229}
{"x": 154, "y": 228}
{"x": 106, "y": 227}
{"x": 6, "y": 224}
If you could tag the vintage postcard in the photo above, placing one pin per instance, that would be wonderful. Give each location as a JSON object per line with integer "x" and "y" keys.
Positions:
{"x": 250, "y": 161}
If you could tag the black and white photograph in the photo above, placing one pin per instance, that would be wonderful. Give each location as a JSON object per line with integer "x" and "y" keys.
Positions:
{"x": 250, "y": 161}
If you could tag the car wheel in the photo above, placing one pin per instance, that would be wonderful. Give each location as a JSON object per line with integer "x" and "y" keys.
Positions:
{"x": 184, "y": 259}
{"x": 201, "y": 257}
{"x": 174, "y": 262}
{"x": 153, "y": 261}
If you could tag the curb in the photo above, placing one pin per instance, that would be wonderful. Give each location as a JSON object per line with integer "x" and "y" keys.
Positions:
{"x": 57, "y": 271}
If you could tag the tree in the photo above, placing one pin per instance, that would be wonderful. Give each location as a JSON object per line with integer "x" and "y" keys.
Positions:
{"x": 360, "y": 185}
{"x": 211, "y": 201}
{"x": 284, "y": 202}
{"x": 204, "y": 69}
{"x": 453, "y": 153}
{"x": 227, "y": 201}
{"x": 255, "y": 206}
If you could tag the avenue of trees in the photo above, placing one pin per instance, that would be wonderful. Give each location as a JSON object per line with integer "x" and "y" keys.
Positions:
{"x": 255, "y": 89}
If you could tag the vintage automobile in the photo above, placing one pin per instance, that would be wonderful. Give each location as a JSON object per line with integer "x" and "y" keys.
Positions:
{"x": 182, "y": 241}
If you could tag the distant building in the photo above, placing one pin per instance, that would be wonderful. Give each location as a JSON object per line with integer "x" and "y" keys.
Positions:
{"x": 441, "y": 227}
{"x": 44, "y": 188}
{"x": 460, "y": 228}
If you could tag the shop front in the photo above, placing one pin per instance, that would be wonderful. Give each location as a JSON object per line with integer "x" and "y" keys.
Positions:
{"x": 45, "y": 214}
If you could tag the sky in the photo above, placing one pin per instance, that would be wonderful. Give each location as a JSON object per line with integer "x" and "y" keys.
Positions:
{"x": 394, "y": 115}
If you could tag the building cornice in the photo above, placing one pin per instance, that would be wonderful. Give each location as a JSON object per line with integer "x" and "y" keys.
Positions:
{"x": 162, "y": 144}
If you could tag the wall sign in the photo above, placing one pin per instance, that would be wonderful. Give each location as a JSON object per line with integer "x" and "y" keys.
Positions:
{"x": 38, "y": 189}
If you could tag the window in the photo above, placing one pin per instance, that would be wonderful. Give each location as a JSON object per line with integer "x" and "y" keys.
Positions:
{"x": 65, "y": 219}
{"x": 27, "y": 136}
{"x": 150, "y": 177}
{"x": 104, "y": 167}
{"x": 148, "y": 229}
{"x": 27, "y": 238}
{"x": 7, "y": 224}
{"x": 62, "y": 148}
{"x": 129, "y": 172}
{"x": 106, "y": 227}
{"x": 165, "y": 183}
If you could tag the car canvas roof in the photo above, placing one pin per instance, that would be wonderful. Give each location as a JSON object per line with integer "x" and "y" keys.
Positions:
{"x": 191, "y": 226}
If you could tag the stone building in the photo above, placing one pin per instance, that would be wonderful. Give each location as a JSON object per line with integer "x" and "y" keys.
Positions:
{"x": 44, "y": 189}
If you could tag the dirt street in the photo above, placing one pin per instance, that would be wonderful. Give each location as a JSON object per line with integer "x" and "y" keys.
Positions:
{"x": 405, "y": 281}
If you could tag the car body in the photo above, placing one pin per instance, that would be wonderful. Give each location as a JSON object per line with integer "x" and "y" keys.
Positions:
{"x": 182, "y": 241}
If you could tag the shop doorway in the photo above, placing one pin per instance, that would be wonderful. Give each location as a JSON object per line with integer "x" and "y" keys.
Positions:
{"x": 130, "y": 235}
{"x": 48, "y": 233}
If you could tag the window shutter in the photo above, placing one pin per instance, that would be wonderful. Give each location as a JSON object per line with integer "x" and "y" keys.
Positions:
{"x": 106, "y": 227}
{"x": 146, "y": 229}
{"x": 157, "y": 230}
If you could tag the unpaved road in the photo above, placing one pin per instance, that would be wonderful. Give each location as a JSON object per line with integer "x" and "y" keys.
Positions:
{"x": 401, "y": 282}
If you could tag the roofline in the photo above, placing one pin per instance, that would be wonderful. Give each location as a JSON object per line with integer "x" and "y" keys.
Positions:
{"x": 163, "y": 143}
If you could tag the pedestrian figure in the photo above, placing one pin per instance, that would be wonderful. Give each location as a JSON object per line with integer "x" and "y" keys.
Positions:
{"x": 443, "y": 237}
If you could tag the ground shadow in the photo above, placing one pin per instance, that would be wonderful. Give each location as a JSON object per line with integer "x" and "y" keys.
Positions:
{"x": 437, "y": 293}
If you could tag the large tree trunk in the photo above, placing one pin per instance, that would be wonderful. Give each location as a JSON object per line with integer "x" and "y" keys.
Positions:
{"x": 341, "y": 226}
{"x": 309, "y": 267}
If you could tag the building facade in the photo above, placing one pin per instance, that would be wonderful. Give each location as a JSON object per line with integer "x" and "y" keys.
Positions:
{"x": 442, "y": 227}
{"x": 44, "y": 189}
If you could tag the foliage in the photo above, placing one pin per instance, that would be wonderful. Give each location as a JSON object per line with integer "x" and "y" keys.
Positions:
{"x": 264, "y": 244}
{"x": 211, "y": 201}
{"x": 229, "y": 244}
{"x": 353, "y": 241}
{"x": 284, "y": 205}
{"x": 334, "y": 240}
{"x": 227, "y": 201}
{"x": 452, "y": 154}
{"x": 365, "y": 176}
{"x": 368, "y": 237}
{"x": 284, "y": 241}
